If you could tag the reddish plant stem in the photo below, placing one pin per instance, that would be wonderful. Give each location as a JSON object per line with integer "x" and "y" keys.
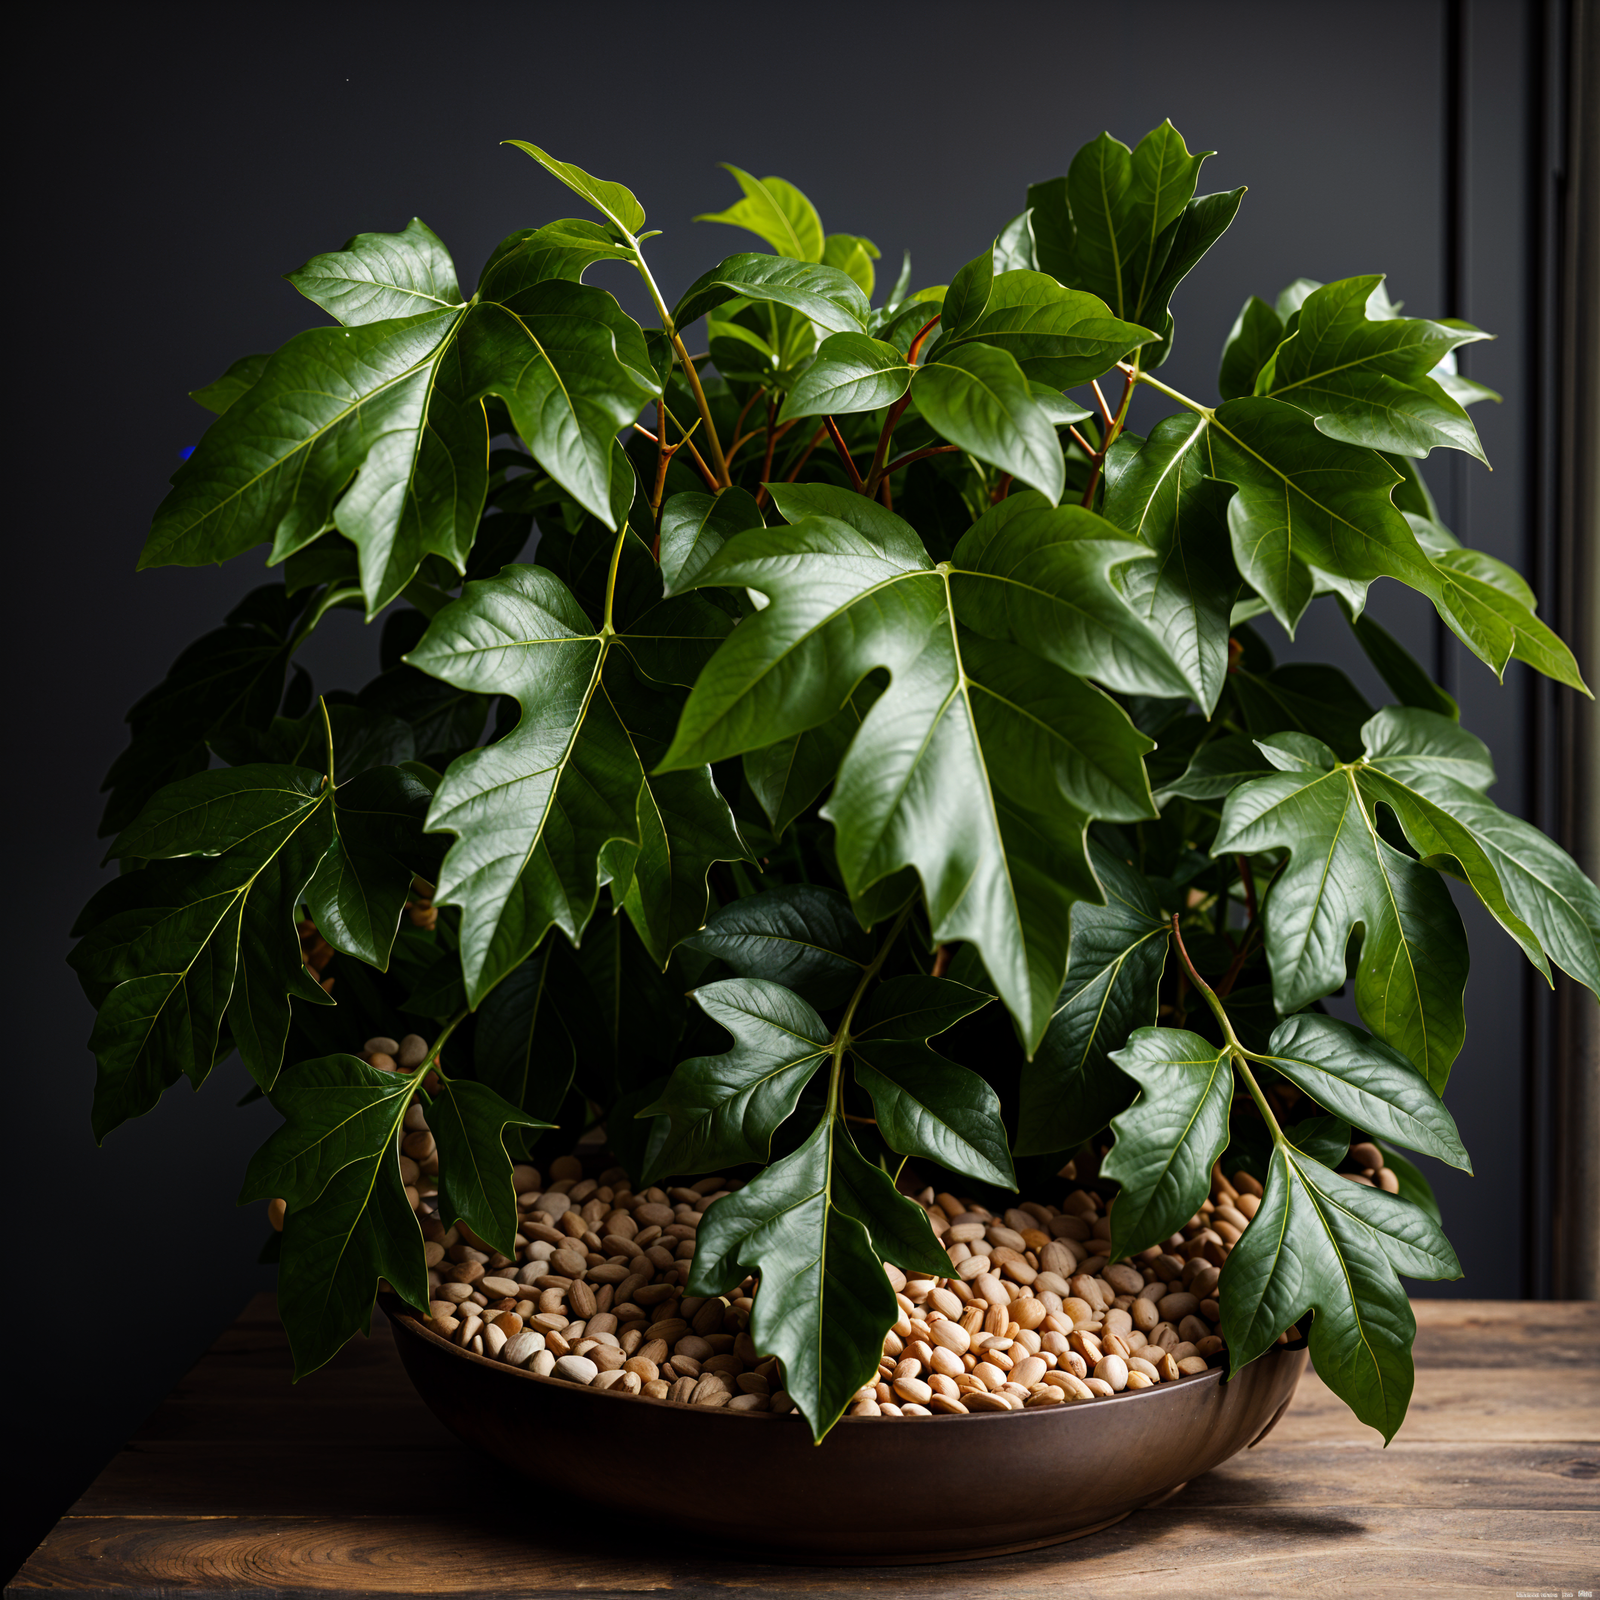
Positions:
{"x": 942, "y": 958}
{"x": 1189, "y": 967}
{"x": 794, "y": 471}
{"x": 1113, "y": 429}
{"x": 1105, "y": 410}
{"x": 844, "y": 454}
{"x": 772, "y": 440}
{"x": 1236, "y": 966}
{"x": 917, "y": 455}
{"x": 881, "y": 454}
{"x": 1001, "y": 489}
{"x": 1247, "y": 877}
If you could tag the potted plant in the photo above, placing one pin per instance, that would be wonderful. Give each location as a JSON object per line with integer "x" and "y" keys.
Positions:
{"x": 872, "y": 802}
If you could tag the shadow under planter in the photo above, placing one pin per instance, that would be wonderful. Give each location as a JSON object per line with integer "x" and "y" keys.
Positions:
{"x": 1028, "y": 1478}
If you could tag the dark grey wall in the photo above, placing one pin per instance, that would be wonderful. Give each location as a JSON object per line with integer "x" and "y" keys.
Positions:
{"x": 182, "y": 156}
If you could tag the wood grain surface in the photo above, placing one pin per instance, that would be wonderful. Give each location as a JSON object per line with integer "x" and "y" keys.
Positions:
{"x": 344, "y": 1484}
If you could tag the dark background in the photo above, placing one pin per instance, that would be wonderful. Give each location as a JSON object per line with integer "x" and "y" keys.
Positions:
{"x": 178, "y": 158}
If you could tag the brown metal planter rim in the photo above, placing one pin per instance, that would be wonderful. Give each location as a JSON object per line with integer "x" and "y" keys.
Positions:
{"x": 1059, "y": 1472}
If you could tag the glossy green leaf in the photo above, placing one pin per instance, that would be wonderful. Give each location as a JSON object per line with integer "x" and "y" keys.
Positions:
{"x": 359, "y": 889}
{"x": 1366, "y": 1083}
{"x": 1217, "y": 768}
{"x": 695, "y": 526}
{"x": 381, "y": 403}
{"x": 916, "y": 1007}
{"x": 572, "y": 368}
{"x": 776, "y": 211}
{"x": 826, "y": 1303}
{"x": 1308, "y": 504}
{"x": 378, "y": 276}
{"x": 336, "y": 1161}
{"x": 1158, "y": 492}
{"x": 1000, "y": 862}
{"x": 827, "y": 296}
{"x": 929, "y": 1106}
{"x": 1170, "y": 1137}
{"x": 1542, "y": 885}
{"x": 1301, "y": 697}
{"x": 548, "y": 813}
{"x": 725, "y": 1109}
{"x": 557, "y": 250}
{"x": 1365, "y": 380}
{"x": 209, "y": 929}
{"x": 1321, "y": 1243}
{"x": 853, "y": 256}
{"x": 469, "y": 1121}
{"x": 611, "y": 200}
{"x": 221, "y": 392}
{"x": 1058, "y": 336}
{"x": 803, "y": 936}
{"x": 977, "y": 397}
{"x": 1256, "y": 333}
{"x": 1056, "y": 580}
{"x": 1488, "y": 606}
{"x": 1341, "y": 873}
{"x": 1071, "y": 1088}
{"x": 851, "y": 373}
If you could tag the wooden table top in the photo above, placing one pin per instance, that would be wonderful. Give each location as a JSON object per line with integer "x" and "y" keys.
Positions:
{"x": 345, "y": 1484}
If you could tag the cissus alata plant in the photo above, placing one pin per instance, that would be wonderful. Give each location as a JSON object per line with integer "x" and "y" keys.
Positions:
{"x": 876, "y": 760}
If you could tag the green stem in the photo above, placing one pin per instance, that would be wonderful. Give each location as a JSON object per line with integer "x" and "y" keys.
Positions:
{"x": 713, "y": 443}
{"x": 1241, "y": 1057}
{"x": 611, "y": 579}
{"x": 1172, "y": 394}
{"x": 327, "y": 729}
{"x": 841, "y": 1036}
{"x": 438, "y": 1044}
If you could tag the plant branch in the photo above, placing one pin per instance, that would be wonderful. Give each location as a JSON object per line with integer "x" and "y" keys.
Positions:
{"x": 1114, "y": 426}
{"x": 686, "y": 441}
{"x": 1136, "y": 376}
{"x": 841, "y": 1036}
{"x": 917, "y": 455}
{"x": 844, "y": 454}
{"x": 805, "y": 456}
{"x": 1105, "y": 410}
{"x": 875, "y": 474}
{"x": 1247, "y": 877}
{"x": 713, "y": 443}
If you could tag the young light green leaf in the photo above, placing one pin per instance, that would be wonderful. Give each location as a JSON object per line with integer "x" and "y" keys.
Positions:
{"x": 1490, "y": 608}
{"x": 775, "y": 210}
{"x": 1365, "y": 1082}
{"x": 1170, "y": 1137}
{"x": 1071, "y": 1089}
{"x": 378, "y": 276}
{"x": 469, "y": 1121}
{"x": 803, "y": 936}
{"x": 853, "y": 256}
{"x": 611, "y": 200}
{"x": 725, "y": 1109}
{"x": 558, "y": 250}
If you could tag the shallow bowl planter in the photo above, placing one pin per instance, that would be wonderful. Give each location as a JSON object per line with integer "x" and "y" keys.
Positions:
{"x": 1028, "y": 1478}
